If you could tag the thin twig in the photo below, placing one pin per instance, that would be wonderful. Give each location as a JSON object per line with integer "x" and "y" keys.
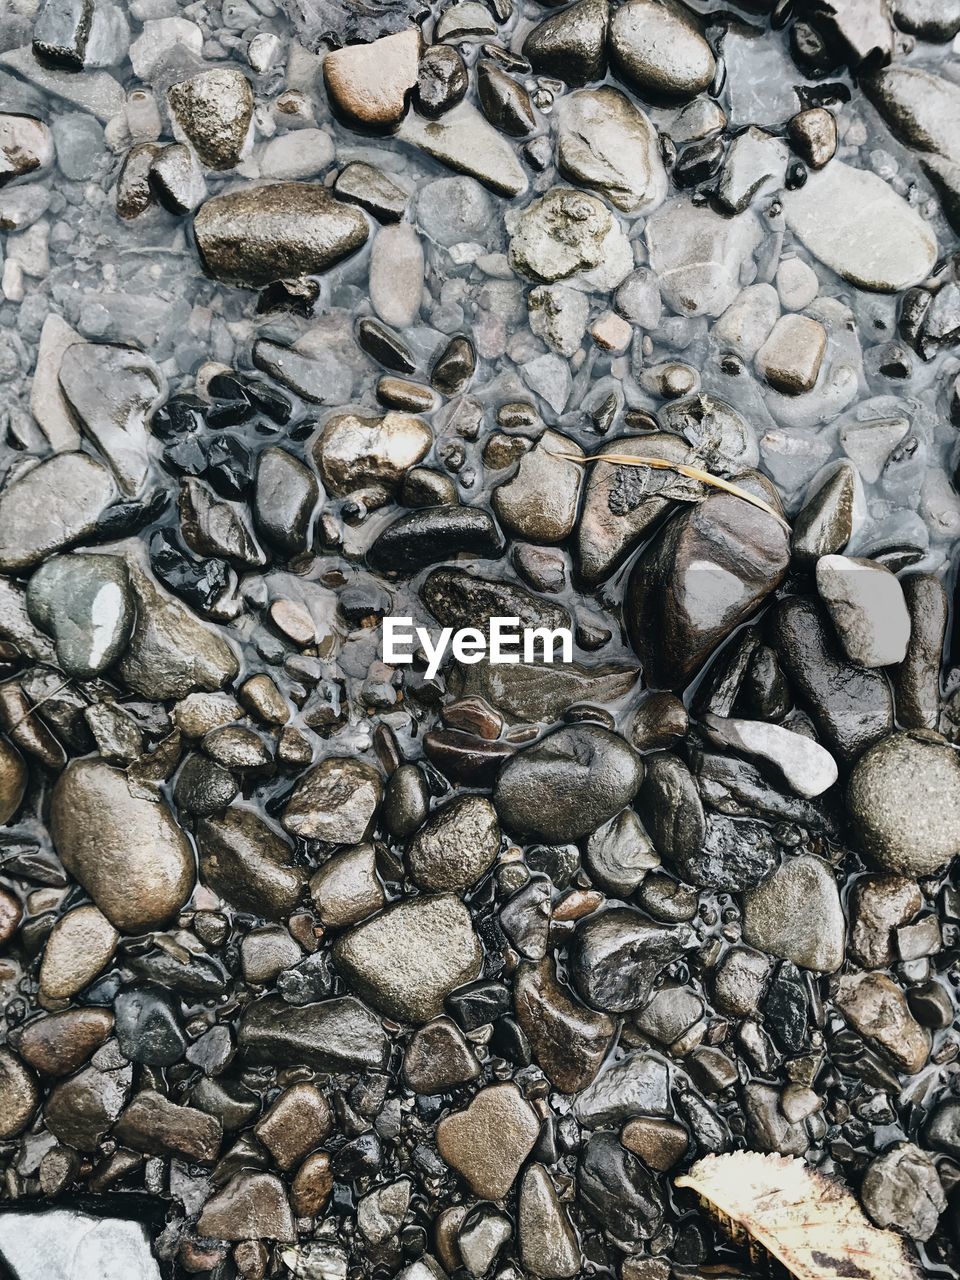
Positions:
{"x": 692, "y": 473}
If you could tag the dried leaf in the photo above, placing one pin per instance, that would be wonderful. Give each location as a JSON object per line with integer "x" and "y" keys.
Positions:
{"x": 810, "y": 1224}
{"x": 681, "y": 468}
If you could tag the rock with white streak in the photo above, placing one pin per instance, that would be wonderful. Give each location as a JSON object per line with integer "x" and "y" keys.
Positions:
{"x": 807, "y": 768}
{"x": 866, "y": 603}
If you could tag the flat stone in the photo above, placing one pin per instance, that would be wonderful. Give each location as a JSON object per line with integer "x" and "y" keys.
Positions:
{"x": 549, "y": 1248}
{"x": 608, "y": 144}
{"x": 569, "y": 235}
{"x": 329, "y": 1035}
{"x": 213, "y": 110}
{"x": 568, "y": 1039}
{"x": 369, "y": 84}
{"x": 94, "y": 91}
{"x": 396, "y": 275}
{"x": 126, "y": 850}
{"x": 876, "y": 1007}
{"x": 467, "y": 143}
{"x": 154, "y": 1124}
{"x": 867, "y": 607}
{"x": 659, "y": 51}
{"x": 438, "y": 1057}
{"x": 857, "y": 225}
{"x": 60, "y": 1044}
{"x": 252, "y": 1206}
{"x": 904, "y": 803}
{"x": 51, "y": 506}
{"x": 408, "y": 959}
{"x": 792, "y": 355}
{"x": 84, "y": 602}
{"x": 804, "y": 765}
{"x": 568, "y": 784}
{"x": 335, "y": 801}
{"x": 79, "y": 946}
{"x": 258, "y": 234}
{"x": 26, "y": 146}
{"x": 487, "y": 1143}
{"x": 47, "y": 402}
{"x": 540, "y": 502}
{"x": 796, "y": 915}
{"x": 458, "y": 845}
{"x": 698, "y": 254}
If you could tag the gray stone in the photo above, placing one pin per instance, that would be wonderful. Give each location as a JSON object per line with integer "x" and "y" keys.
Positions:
{"x": 617, "y": 955}
{"x": 408, "y": 959}
{"x": 84, "y": 603}
{"x": 569, "y": 235}
{"x": 54, "y": 504}
{"x": 177, "y": 179}
{"x": 464, "y": 141}
{"x": 638, "y": 1084}
{"x": 26, "y": 146}
{"x": 347, "y": 889}
{"x": 332, "y": 1035}
{"x": 540, "y": 502}
{"x": 285, "y": 496}
{"x": 857, "y": 225}
{"x": 867, "y": 607}
{"x": 756, "y": 163}
{"x": 558, "y": 314}
{"x": 791, "y": 357}
{"x": 877, "y": 1008}
{"x": 570, "y": 45}
{"x": 541, "y": 692}
{"x": 659, "y": 50}
{"x": 458, "y": 845}
{"x": 453, "y": 210}
{"x": 619, "y": 854}
{"x": 902, "y": 1189}
{"x": 396, "y": 275}
{"x": 935, "y": 20}
{"x": 698, "y": 254}
{"x": 916, "y": 682}
{"x": 804, "y": 765}
{"x": 125, "y": 849}
{"x": 904, "y": 803}
{"x": 746, "y": 324}
{"x": 796, "y": 915}
{"x": 438, "y": 1057}
{"x": 608, "y": 144}
{"x": 214, "y": 527}
{"x": 380, "y": 1214}
{"x": 258, "y": 234}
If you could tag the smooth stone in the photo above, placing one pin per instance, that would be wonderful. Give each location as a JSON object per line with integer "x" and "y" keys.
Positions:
{"x": 330, "y": 1035}
{"x": 249, "y": 864}
{"x": 619, "y": 854}
{"x": 850, "y": 706}
{"x": 619, "y": 1191}
{"x": 616, "y": 957}
{"x": 867, "y": 606}
{"x": 408, "y": 959}
{"x": 370, "y": 455}
{"x": 19, "y": 1094}
{"x": 438, "y": 1057}
{"x": 79, "y": 946}
{"x": 13, "y": 781}
{"x": 213, "y": 110}
{"x": 285, "y": 497}
{"x": 746, "y": 324}
{"x": 126, "y": 850}
{"x": 916, "y": 682}
{"x": 371, "y": 189}
{"x": 879, "y": 905}
{"x": 456, "y": 847}
{"x": 211, "y": 527}
{"x": 60, "y": 1044}
{"x": 710, "y": 569}
{"x": 568, "y": 784}
{"x": 453, "y": 210}
{"x": 922, "y": 109}
{"x": 607, "y": 143}
{"x": 95, "y": 91}
{"x": 796, "y": 915}
{"x": 396, "y": 274}
{"x": 570, "y": 45}
{"x": 755, "y": 163}
{"x": 569, "y": 235}
{"x": 659, "y": 51}
{"x": 943, "y": 1127}
{"x": 157, "y": 1126}
{"x": 568, "y": 1039}
{"x": 82, "y": 1109}
{"x": 252, "y": 1206}
{"x": 541, "y": 692}
{"x": 876, "y": 1007}
{"x": 697, "y": 255}
{"x": 296, "y": 1124}
{"x": 335, "y": 801}
{"x": 505, "y": 103}
{"x": 177, "y": 180}
{"x": 489, "y": 1141}
{"x": 148, "y": 1026}
{"x": 659, "y": 1143}
{"x": 26, "y": 146}
{"x": 347, "y": 889}
{"x": 84, "y": 603}
{"x": 435, "y": 533}
{"x": 51, "y": 506}
{"x": 804, "y": 765}
{"x": 934, "y": 20}
{"x": 825, "y": 523}
{"x": 442, "y": 80}
{"x": 276, "y": 231}
{"x": 791, "y": 357}
{"x": 638, "y": 1084}
{"x": 406, "y": 801}
{"x": 549, "y": 1248}
{"x": 856, "y": 224}
{"x": 540, "y": 502}
{"x": 466, "y": 142}
{"x": 171, "y": 653}
{"x": 903, "y": 798}
{"x": 369, "y": 84}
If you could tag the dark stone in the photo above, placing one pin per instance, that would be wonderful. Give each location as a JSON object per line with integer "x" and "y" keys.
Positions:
{"x": 505, "y": 103}
{"x": 786, "y": 1009}
{"x": 435, "y": 533}
{"x": 61, "y": 32}
{"x": 442, "y": 80}
{"x": 571, "y": 45}
{"x": 619, "y": 1191}
{"x": 334, "y": 1035}
{"x": 616, "y": 957}
{"x": 568, "y": 1039}
{"x": 148, "y": 1027}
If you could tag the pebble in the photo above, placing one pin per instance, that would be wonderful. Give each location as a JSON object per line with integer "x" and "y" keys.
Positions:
{"x": 126, "y": 850}
{"x": 347, "y": 889}
{"x": 617, "y": 955}
{"x": 569, "y": 1040}
{"x": 368, "y": 84}
{"x": 18, "y": 1093}
{"x": 797, "y": 284}
{"x": 549, "y": 1248}
{"x": 79, "y": 946}
{"x": 434, "y": 533}
{"x": 825, "y": 523}
{"x": 796, "y": 915}
{"x": 396, "y": 274}
{"x": 867, "y": 607}
{"x": 878, "y": 906}
{"x": 489, "y": 1141}
{"x": 570, "y": 45}
{"x": 875, "y": 1006}
{"x": 902, "y": 1190}
{"x": 51, "y": 506}
{"x": 456, "y": 847}
{"x": 637, "y": 1084}
{"x": 60, "y": 1044}
{"x": 84, "y": 603}
{"x": 619, "y": 1191}
{"x": 698, "y": 255}
{"x": 26, "y": 146}
{"x": 814, "y": 136}
{"x": 903, "y": 799}
{"x": 571, "y": 782}
{"x": 608, "y": 144}
{"x": 329, "y": 1035}
{"x": 13, "y": 781}
{"x": 540, "y": 502}
{"x": 442, "y": 80}
{"x": 806, "y": 768}
{"x": 466, "y": 142}
{"x": 408, "y": 959}
{"x": 254, "y": 234}
{"x": 659, "y": 50}
{"x": 916, "y": 682}
{"x": 569, "y": 235}
{"x": 856, "y": 224}
{"x": 252, "y": 1206}
{"x": 335, "y": 801}
{"x": 438, "y": 1057}
{"x": 213, "y": 110}
{"x": 370, "y": 455}
{"x": 791, "y": 357}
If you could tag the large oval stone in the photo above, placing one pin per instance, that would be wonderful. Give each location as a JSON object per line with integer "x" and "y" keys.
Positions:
{"x": 126, "y": 850}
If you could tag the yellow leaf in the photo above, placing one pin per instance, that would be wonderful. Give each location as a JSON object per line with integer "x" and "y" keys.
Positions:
{"x": 809, "y": 1223}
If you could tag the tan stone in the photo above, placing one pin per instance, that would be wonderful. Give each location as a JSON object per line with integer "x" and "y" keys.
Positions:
{"x": 489, "y": 1141}
{"x": 368, "y": 84}
{"x": 80, "y": 945}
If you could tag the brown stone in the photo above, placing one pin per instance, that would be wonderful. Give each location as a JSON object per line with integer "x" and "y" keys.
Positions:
{"x": 659, "y": 1143}
{"x": 154, "y": 1124}
{"x": 312, "y": 1185}
{"x": 296, "y": 1124}
{"x": 78, "y": 947}
{"x": 81, "y": 1110}
{"x": 879, "y": 905}
{"x": 11, "y": 914}
{"x": 61, "y": 1043}
{"x": 368, "y": 84}
{"x": 252, "y": 1206}
{"x": 569, "y": 1041}
{"x": 19, "y": 1094}
{"x": 877, "y": 1008}
{"x": 489, "y": 1141}
{"x": 13, "y": 780}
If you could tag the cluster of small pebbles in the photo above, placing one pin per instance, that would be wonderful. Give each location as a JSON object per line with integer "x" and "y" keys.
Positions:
{"x": 319, "y": 312}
